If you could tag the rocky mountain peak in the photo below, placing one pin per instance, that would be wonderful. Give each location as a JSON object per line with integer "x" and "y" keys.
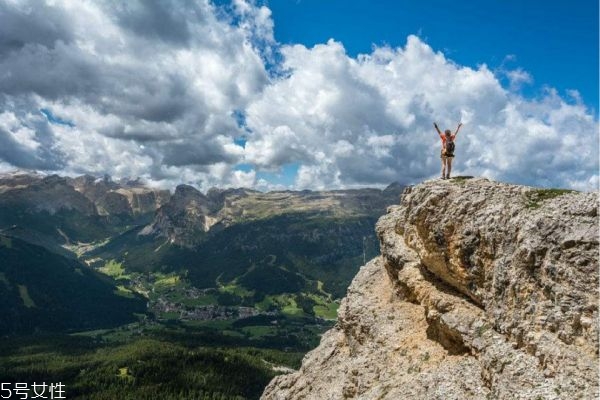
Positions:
{"x": 188, "y": 198}
{"x": 482, "y": 290}
{"x": 394, "y": 188}
{"x": 184, "y": 218}
{"x": 50, "y": 193}
{"x": 53, "y": 180}
{"x": 9, "y": 181}
{"x": 119, "y": 198}
{"x": 184, "y": 190}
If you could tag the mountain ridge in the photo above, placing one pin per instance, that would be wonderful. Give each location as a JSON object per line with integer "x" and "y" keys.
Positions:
{"x": 181, "y": 216}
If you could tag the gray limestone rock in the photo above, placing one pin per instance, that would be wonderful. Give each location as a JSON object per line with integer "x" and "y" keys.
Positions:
{"x": 483, "y": 290}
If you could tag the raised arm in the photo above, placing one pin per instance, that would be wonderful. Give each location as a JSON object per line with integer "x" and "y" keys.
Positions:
{"x": 458, "y": 128}
{"x": 437, "y": 129}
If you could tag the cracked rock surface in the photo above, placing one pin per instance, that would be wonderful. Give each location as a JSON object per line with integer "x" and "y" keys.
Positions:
{"x": 483, "y": 290}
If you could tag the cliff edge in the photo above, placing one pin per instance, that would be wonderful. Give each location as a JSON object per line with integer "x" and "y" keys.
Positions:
{"x": 483, "y": 290}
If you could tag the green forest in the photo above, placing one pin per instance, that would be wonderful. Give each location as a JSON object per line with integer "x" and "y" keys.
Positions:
{"x": 142, "y": 367}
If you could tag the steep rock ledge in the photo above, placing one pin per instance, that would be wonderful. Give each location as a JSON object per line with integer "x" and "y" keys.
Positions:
{"x": 483, "y": 291}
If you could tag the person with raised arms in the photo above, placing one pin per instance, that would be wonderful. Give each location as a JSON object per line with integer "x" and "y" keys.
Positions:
{"x": 447, "y": 153}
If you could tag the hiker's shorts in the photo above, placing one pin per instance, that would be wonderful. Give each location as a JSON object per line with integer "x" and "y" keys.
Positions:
{"x": 443, "y": 155}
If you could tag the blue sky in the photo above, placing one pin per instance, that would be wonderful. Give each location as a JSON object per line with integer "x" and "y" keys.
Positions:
{"x": 556, "y": 42}
{"x": 254, "y": 93}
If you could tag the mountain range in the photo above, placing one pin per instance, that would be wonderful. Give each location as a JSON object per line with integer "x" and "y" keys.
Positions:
{"x": 284, "y": 251}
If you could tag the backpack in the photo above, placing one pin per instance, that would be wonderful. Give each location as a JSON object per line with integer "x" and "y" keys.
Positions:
{"x": 450, "y": 147}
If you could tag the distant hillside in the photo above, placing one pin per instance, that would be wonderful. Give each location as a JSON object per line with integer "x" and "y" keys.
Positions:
{"x": 43, "y": 291}
{"x": 285, "y": 252}
{"x": 228, "y": 237}
{"x": 54, "y": 211}
{"x": 317, "y": 247}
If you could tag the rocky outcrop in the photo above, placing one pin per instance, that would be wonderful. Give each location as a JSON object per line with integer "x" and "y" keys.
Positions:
{"x": 482, "y": 291}
{"x": 18, "y": 179}
{"x": 184, "y": 219}
{"x": 143, "y": 200}
{"x": 49, "y": 194}
{"x": 130, "y": 198}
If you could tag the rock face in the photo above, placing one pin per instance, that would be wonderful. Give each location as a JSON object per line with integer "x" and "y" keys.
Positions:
{"x": 123, "y": 198}
{"x": 37, "y": 194}
{"x": 482, "y": 291}
{"x": 183, "y": 218}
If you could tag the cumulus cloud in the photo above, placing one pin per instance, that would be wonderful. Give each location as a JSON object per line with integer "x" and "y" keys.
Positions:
{"x": 368, "y": 120}
{"x": 149, "y": 88}
{"x": 186, "y": 92}
{"x": 518, "y": 77}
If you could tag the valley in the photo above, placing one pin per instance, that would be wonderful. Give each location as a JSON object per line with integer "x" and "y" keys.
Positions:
{"x": 230, "y": 277}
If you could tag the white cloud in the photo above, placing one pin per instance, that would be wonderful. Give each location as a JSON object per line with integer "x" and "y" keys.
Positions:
{"x": 150, "y": 88}
{"x": 518, "y": 77}
{"x": 371, "y": 120}
{"x": 18, "y": 133}
{"x": 153, "y": 90}
{"x": 243, "y": 179}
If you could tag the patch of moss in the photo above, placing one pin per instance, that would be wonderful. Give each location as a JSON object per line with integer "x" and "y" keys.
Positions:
{"x": 482, "y": 329}
{"x": 534, "y": 198}
{"x": 461, "y": 179}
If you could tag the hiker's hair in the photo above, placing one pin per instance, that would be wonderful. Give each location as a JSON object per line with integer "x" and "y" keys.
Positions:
{"x": 448, "y": 132}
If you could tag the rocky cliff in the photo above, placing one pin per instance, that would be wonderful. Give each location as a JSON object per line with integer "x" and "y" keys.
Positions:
{"x": 482, "y": 291}
{"x": 183, "y": 218}
{"x": 119, "y": 198}
{"x": 86, "y": 194}
{"x": 35, "y": 193}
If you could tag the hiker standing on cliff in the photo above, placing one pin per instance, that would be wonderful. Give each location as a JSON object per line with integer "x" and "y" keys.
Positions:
{"x": 447, "y": 153}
